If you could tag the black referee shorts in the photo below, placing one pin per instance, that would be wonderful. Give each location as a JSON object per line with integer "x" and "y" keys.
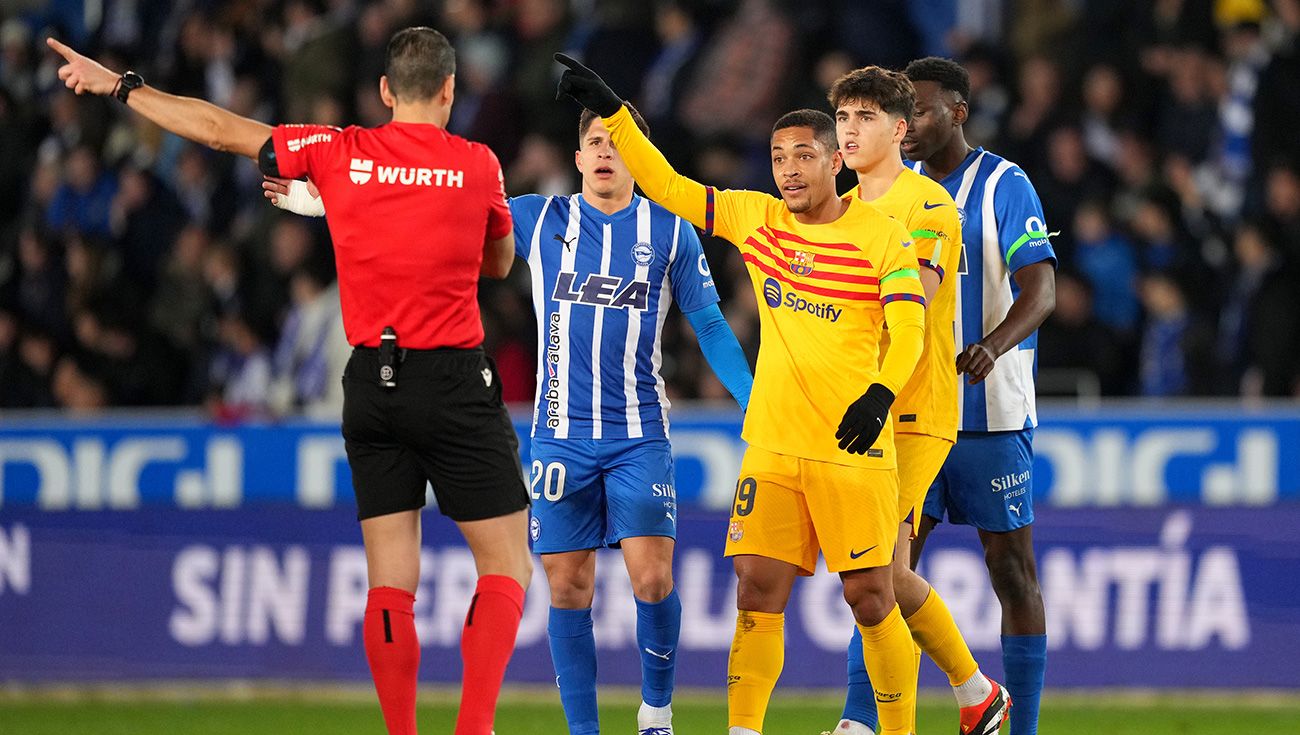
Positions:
{"x": 444, "y": 424}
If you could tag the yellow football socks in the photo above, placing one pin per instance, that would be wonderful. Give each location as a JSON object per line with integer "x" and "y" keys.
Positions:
{"x": 916, "y": 675}
{"x": 757, "y": 655}
{"x": 935, "y": 631}
{"x": 890, "y": 657}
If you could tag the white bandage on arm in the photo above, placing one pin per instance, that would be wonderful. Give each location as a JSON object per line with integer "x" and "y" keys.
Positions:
{"x": 300, "y": 201}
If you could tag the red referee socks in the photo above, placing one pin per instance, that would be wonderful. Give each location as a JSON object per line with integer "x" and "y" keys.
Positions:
{"x": 486, "y": 643}
{"x": 394, "y": 655}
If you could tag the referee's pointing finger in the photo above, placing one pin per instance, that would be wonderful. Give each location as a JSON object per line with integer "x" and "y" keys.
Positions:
{"x": 62, "y": 49}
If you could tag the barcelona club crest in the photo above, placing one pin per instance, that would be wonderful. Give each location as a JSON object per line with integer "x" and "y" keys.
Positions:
{"x": 736, "y": 531}
{"x": 802, "y": 263}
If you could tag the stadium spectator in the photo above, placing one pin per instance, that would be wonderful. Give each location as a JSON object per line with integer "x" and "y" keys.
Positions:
{"x": 146, "y": 218}
{"x": 1107, "y": 262}
{"x": 990, "y": 101}
{"x": 1246, "y": 53}
{"x": 181, "y": 310}
{"x": 1282, "y": 209}
{"x": 312, "y": 347}
{"x": 17, "y": 79}
{"x": 738, "y": 83}
{"x": 680, "y": 44}
{"x": 1072, "y": 177}
{"x": 41, "y": 283}
{"x": 1036, "y": 114}
{"x": 241, "y": 372}
{"x": 1277, "y": 99}
{"x": 542, "y": 168}
{"x": 1103, "y": 98}
{"x": 317, "y": 57}
{"x": 539, "y": 28}
{"x": 1259, "y": 326}
{"x": 33, "y": 381}
{"x": 17, "y": 153}
{"x": 486, "y": 110}
{"x": 1188, "y": 120}
{"x": 1166, "y": 247}
{"x": 77, "y": 388}
{"x": 1164, "y": 354}
{"x": 1192, "y": 104}
{"x": 1074, "y": 340}
{"x": 883, "y": 32}
{"x": 83, "y": 201}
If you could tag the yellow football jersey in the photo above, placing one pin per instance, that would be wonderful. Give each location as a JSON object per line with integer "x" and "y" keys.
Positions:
{"x": 928, "y": 403}
{"x": 821, "y": 293}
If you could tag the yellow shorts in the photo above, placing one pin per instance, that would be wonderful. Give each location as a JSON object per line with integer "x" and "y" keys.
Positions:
{"x": 786, "y": 508}
{"x": 920, "y": 457}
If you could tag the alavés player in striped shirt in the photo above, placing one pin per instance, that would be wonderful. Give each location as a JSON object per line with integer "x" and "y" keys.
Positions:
{"x": 606, "y": 266}
{"x": 1007, "y": 288}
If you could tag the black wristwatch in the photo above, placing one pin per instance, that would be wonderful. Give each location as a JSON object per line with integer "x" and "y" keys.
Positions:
{"x": 128, "y": 82}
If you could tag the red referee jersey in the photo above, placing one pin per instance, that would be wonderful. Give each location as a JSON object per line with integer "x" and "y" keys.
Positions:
{"x": 409, "y": 207}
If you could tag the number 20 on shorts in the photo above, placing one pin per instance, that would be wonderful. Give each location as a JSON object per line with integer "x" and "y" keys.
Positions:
{"x": 552, "y": 478}
{"x": 745, "y": 491}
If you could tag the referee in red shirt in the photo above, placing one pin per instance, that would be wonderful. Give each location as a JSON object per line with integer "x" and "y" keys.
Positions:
{"x": 416, "y": 215}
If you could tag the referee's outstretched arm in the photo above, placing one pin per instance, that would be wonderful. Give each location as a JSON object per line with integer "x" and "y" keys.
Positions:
{"x": 194, "y": 119}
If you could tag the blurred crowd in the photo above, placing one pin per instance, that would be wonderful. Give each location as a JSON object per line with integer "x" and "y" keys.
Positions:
{"x": 140, "y": 270}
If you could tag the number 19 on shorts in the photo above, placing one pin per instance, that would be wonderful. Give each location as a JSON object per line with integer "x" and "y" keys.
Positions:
{"x": 551, "y": 478}
{"x": 745, "y": 490}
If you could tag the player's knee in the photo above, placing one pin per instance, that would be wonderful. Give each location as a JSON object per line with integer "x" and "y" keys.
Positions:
{"x": 756, "y": 596}
{"x": 653, "y": 585}
{"x": 870, "y": 605}
{"x": 570, "y": 592}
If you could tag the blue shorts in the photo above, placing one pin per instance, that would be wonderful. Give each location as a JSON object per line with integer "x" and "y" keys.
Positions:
{"x": 986, "y": 482}
{"x": 589, "y": 493}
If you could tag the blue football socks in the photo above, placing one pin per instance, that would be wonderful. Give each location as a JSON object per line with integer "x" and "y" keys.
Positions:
{"x": 860, "y": 701}
{"x": 1024, "y": 659}
{"x": 573, "y": 651}
{"x": 658, "y": 626}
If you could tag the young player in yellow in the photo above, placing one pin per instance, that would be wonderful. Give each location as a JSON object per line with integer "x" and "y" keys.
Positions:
{"x": 872, "y": 106}
{"x": 820, "y": 471}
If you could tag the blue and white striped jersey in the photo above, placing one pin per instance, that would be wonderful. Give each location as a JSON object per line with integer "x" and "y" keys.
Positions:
{"x": 1002, "y": 230}
{"x": 602, "y": 285}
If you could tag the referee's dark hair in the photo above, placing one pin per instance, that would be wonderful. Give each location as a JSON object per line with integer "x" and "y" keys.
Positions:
{"x": 419, "y": 60}
{"x": 823, "y": 126}
{"x": 588, "y": 117}
{"x": 947, "y": 73}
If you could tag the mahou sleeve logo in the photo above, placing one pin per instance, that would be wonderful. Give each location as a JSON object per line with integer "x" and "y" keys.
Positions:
{"x": 361, "y": 170}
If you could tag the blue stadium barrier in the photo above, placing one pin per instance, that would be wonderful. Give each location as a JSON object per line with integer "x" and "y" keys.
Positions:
{"x": 1180, "y": 596}
{"x": 1127, "y": 455}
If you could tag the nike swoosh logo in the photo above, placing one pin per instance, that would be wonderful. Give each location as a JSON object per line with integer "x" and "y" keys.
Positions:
{"x": 656, "y": 654}
{"x": 855, "y": 554}
{"x": 928, "y": 205}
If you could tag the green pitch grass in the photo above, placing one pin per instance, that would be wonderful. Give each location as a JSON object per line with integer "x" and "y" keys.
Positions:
{"x": 257, "y": 711}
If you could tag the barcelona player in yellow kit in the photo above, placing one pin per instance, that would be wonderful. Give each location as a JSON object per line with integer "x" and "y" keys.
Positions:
{"x": 872, "y": 106}
{"x": 820, "y": 472}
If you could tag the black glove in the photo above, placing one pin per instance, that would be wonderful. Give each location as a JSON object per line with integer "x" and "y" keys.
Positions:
{"x": 865, "y": 419}
{"x": 585, "y": 86}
